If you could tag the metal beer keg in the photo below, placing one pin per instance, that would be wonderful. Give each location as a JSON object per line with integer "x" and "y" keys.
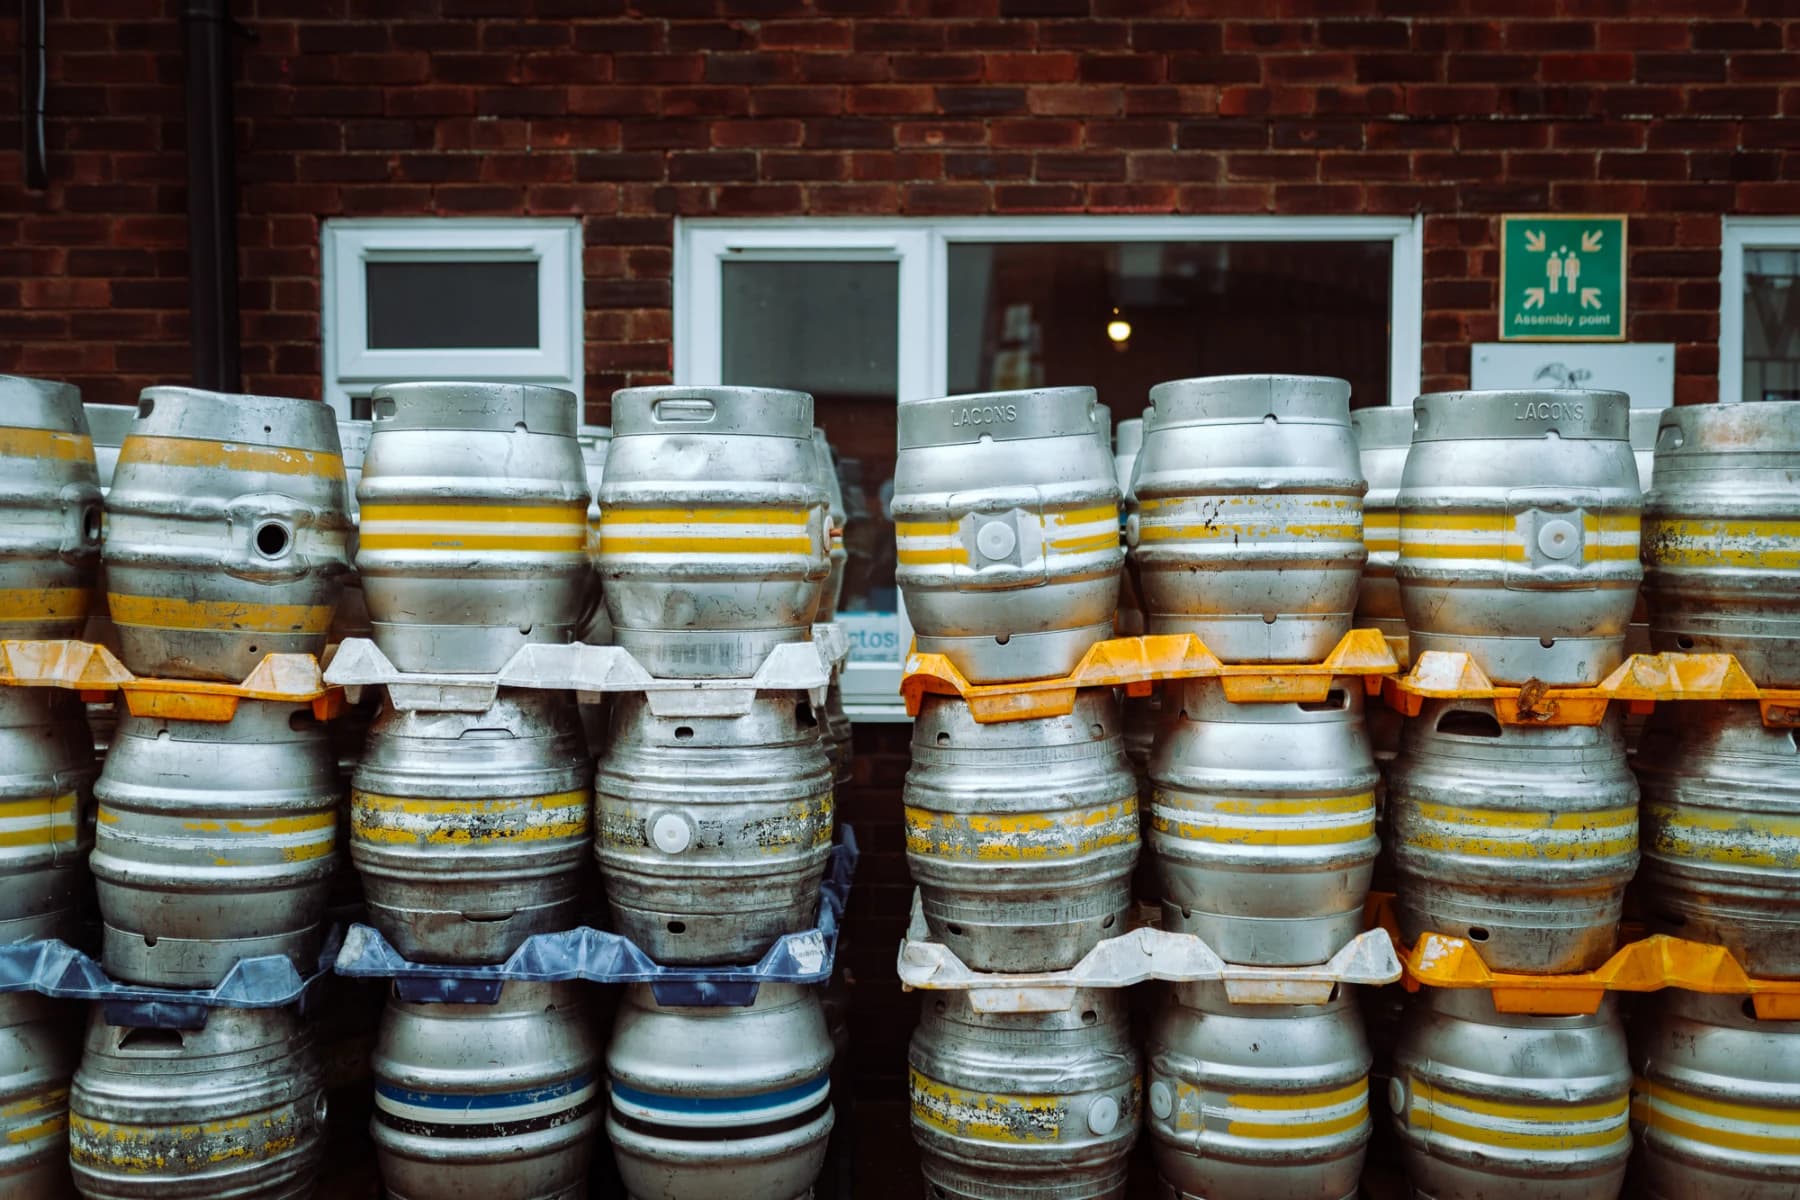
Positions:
{"x": 227, "y": 529}
{"x": 1383, "y": 437}
{"x": 1006, "y": 516}
{"x": 1519, "y": 532}
{"x": 37, "y": 1058}
{"x": 474, "y": 536}
{"x": 50, "y": 492}
{"x": 1722, "y": 536}
{"x": 1246, "y": 523}
{"x": 714, "y": 527}
{"x": 47, "y": 774}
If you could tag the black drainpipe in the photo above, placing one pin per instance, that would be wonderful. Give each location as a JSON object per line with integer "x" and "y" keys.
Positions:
{"x": 212, "y": 198}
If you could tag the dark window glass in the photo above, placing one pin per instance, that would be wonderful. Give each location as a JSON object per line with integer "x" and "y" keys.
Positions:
{"x": 453, "y": 305}
{"x": 1771, "y": 325}
{"x": 1122, "y": 316}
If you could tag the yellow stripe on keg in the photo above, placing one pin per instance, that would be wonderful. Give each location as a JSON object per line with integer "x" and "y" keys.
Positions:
{"x": 986, "y": 1116}
{"x": 309, "y": 827}
{"x": 556, "y": 527}
{"x": 1485, "y": 535}
{"x": 168, "y": 612}
{"x": 48, "y": 1098}
{"x": 1621, "y": 823}
{"x": 1082, "y": 516}
{"x": 138, "y": 1149}
{"x": 1684, "y": 832}
{"x": 55, "y": 824}
{"x": 1220, "y": 531}
{"x": 759, "y": 531}
{"x": 1768, "y": 545}
{"x": 1439, "y": 1110}
{"x": 54, "y": 1123}
{"x": 378, "y": 818}
{"x": 1234, "y": 822}
{"x": 1018, "y": 836}
{"x": 937, "y": 557}
{"x": 17, "y": 442}
{"x": 1084, "y": 545}
{"x": 1658, "y": 1106}
{"x": 1381, "y": 531}
{"x": 1356, "y": 1093}
{"x": 927, "y": 528}
{"x": 44, "y": 604}
{"x": 143, "y": 450}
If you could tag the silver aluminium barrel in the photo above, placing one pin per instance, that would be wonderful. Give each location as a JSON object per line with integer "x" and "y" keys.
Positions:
{"x": 474, "y": 523}
{"x": 470, "y": 830}
{"x": 234, "y": 1109}
{"x": 37, "y": 1058}
{"x": 352, "y": 616}
{"x": 1246, "y": 522}
{"x": 719, "y": 1103}
{"x": 1519, "y": 838}
{"x": 50, "y": 492}
{"x": 488, "y": 1101}
{"x": 1721, "y": 832}
{"x": 47, "y": 774}
{"x": 1722, "y": 536}
{"x": 1490, "y": 1104}
{"x": 1025, "y": 1104}
{"x": 1383, "y": 437}
{"x": 595, "y": 628}
{"x": 1022, "y": 835}
{"x": 1519, "y": 515}
{"x": 826, "y": 462}
{"x": 227, "y": 531}
{"x": 714, "y": 527}
{"x": 1716, "y": 1102}
{"x": 215, "y": 842}
{"x": 712, "y": 833}
{"x": 1006, "y": 515}
{"x": 1262, "y": 822}
{"x": 1257, "y": 1101}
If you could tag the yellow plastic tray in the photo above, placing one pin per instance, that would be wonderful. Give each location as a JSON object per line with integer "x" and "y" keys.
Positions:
{"x": 95, "y": 672}
{"x": 1640, "y": 681}
{"x": 1139, "y": 663}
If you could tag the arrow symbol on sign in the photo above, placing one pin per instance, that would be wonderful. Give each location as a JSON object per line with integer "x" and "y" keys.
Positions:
{"x": 1590, "y": 241}
{"x": 1534, "y": 241}
{"x": 1534, "y": 297}
{"x": 1590, "y": 297}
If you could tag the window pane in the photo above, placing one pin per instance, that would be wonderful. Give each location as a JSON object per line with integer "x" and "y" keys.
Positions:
{"x": 1771, "y": 324}
{"x": 1125, "y": 315}
{"x": 453, "y": 305}
{"x": 832, "y": 329}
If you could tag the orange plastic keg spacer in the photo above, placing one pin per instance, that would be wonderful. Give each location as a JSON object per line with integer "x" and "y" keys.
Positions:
{"x": 96, "y": 673}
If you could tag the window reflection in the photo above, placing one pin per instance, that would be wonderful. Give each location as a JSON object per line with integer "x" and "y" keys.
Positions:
{"x": 1771, "y": 324}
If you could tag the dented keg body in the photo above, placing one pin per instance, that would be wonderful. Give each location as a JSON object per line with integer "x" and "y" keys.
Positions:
{"x": 715, "y": 530}
{"x": 1721, "y": 832}
{"x": 1257, "y": 1101}
{"x": 47, "y": 774}
{"x": 470, "y": 830}
{"x": 1021, "y": 835}
{"x": 1498, "y": 1104}
{"x": 1722, "y": 536}
{"x": 215, "y": 842}
{"x": 1006, "y": 515}
{"x": 720, "y": 1103}
{"x": 713, "y": 832}
{"x": 1383, "y": 437}
{"x": 1519, "y": 516}
{"x": 1007, "y": 1105}
{"x": 37, "y": 1060}
{"x": 235, "y": 1109}
{"x": 473, "y": 540}
{"x": 494, "y": 1101}
{"x": 50, "y": 492}
{"x": 1519, "y": 838}
{"x": 1262, "y": 822}
{"x": 227, "y": 532}
{"x": 1715, "y": 1105}
{"x": 1246, "y": 523}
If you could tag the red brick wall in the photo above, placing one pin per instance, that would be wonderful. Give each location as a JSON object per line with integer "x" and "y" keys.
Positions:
{"x": 632, "y": 114}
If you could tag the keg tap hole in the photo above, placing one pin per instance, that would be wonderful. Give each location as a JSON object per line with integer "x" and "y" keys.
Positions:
{"x": 803, "y": 715}
{"x": 677, "y": 926}
{"x": 1090, "y": 1017}
{"x": 1336, "y": 700}
{"x": 268, "y": 429}
{"x": 1097, "y": 730}
{"x": 1671, "y": 918}
{"x": 953, "y": 930}
{"x": 1111, "y": 918}
{"x": 1463, "y": 723}
{"x": 272, "y": 539}
{"x": 1268, "y": 618}
{"x": 1271, "y": 419}
{"x": 1546, "y": 642}
{"x": 90, "y": 525}
{"x": 149, "y": 939}
{"x": 1477, "y": 933}
{"x": 940, "y": 1006}
{"x": 943, "y": 739}
{"x": 1000, "y": 639}
{"x": 146, "y": 406}
{"x": 150, "y": 1039}
{"x": 684, "y": 733}
{"x": 1685, "y": 642}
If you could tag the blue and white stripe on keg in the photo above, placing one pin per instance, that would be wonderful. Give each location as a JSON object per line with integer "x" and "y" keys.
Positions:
{"x": 780, "y": 1108}
{"x": 485, "y": 1114}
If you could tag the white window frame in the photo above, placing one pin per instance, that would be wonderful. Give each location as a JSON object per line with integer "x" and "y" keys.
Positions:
{"x": 346, "y": 246}
{"x": 1738, "y": 234}
{"x": 921, "y": 247}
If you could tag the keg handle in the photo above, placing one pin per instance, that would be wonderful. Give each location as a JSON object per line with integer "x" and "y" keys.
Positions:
{"x": 685, "y": 410}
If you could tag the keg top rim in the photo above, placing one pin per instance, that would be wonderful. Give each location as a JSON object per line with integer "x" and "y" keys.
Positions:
{"x": 1473, "y": 396}
{"x": 737, "y": 410}
{"x": 1589, "y": 414}
{"x": 1747, "y": 427}
{"x": 200, "y": 414}
{"x": 1010, "y": 415}
{"x": 29, "y": 402}
{"x": 168, "y": 391}
{"x": 475, "y": 405}
{"x": 1385, "y": 425}
{"x": 1236, "y": 398}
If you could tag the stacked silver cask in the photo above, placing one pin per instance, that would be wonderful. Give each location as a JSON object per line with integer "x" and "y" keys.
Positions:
{"x": 1246, "y": 531}
{"x": 1021, "y": 835}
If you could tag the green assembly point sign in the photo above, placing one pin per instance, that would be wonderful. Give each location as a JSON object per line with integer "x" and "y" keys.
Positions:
{"x": 1562, "y": 278}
